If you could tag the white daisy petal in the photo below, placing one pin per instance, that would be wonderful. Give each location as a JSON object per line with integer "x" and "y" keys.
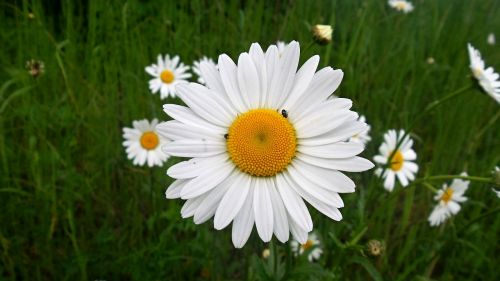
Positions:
{"x": 229, "y": 77}
{"x": 174, "y": 190}
{"x": 263, "y": 209}
{"x": 248, "y": 81}
{"x": 294, "y": 204}
{"x": 207, "y": 180}
{"x": 243, "y": 222}
{"x": 280, "y": 220}
{"x": 194, "y": 148}
{"x": 232, "y": 201}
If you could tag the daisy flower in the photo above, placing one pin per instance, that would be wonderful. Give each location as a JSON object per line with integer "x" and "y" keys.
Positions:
{"x": 263, "y": 137}
{"x": 449, "y": 198}
{"x": 402, "y": 165}
{"x": 362, "y": 137}
{"x": 143, "y": 143}
{"x": 322, "y": 33}
{"x": 312, "y": 244}
{"x": 488, "y": 78}
{"x": 401, "y": 5}
{"x": 168, "y": 73}
{"x": 491, "y": 40}
{"x": 35, "y": 67}
{"x": 196, "y": 67}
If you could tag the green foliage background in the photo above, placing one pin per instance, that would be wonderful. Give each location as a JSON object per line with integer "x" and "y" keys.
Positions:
{"x": 73, "y": 207}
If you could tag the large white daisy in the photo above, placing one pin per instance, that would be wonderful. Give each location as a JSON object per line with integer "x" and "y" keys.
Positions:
{"x": 401, "y": 5}
{"x": 262, "y": 137}
{"x": 196, "y": 67}
{"x": 402, "y": 165}
{"x": 143, "y": 143}
{"x": 448, "y": 199}
{"x": 488, "y": 78}
{"x": 363, "y": 137}
{"x": 167, "y": 73}
{"x": 312, "y": 244}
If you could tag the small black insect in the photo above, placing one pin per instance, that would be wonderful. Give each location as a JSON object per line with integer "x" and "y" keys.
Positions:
{"x": 226, "y": 136}
{"x": 284, "y": 113}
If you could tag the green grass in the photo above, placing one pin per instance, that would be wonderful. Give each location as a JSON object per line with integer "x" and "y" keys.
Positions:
{"x": 73, "y": 207}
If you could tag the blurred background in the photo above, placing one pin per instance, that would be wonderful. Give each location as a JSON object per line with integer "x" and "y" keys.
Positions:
{"x": 73, "y": 207}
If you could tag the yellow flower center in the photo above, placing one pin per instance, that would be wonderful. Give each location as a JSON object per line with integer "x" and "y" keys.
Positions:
{"x": 447, "y": 195}
{"x": 478, "y": 72}
{"x": 149, "y": 140}
{"x": 167, "y": 76}
{"x": 400, "y": 5}
{"x": 309, "y": 243}
{"x": 397, "y": 161}
{"x": 261, "y": 142}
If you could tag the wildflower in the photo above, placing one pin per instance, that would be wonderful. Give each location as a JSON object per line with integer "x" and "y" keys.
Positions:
{"x": 143, "y": 143}
{"x": 488, "y": 78}
{"x": 402, "y": 165}
{"x": 375, "y": 247}
{"x": 491, "y": 39}
{"x": 168, "y": 73}
{"x": 258, "y": 135}
{"x": 322, "y": 33}
{"x": 401, "y": 5}
{"x": 449, "y": 198}
{"x": 313, "y": 244}
{"x": 266, "y": 253}
{"x": 362, "y": 137}
{"x": 35, "y": 67}
{"x": 197, "y": 70}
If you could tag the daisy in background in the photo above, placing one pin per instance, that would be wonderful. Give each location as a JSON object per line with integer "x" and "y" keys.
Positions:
{"x": 143, "y": 143}
{"x": 402, "y": 165}
{"x": 488, "y": 78}
{"x": 491, "y": 39}
{"x": 312, "y": 244}
{"x": 167, "y": 73}
{"x": 364, "y": 136}
{"x": 263, "y": 137}
{"x": 496, "y": 177}
{"x": 401, "y": 5}
{"x": 449, "y": 198}
{"x": 196, "y": 67}
{"x": 322, "y": 34}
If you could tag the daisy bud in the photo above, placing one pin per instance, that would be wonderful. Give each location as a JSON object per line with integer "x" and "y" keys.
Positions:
{"x": 35, "y": 67}
{"x": 491, "y": 39}
{"x": 31, "y": 16}
{"x": 375, "y": 247}
{"x": 266, "y": 253}
{"x": 322, "y": 33}
{"x": 430, "y": 60}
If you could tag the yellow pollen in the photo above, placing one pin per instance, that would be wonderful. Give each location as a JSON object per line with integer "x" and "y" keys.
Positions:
{"x": 397, "y": 161}
{"x": 447, "y": 195}
{"x": 167, "y": 76}
{"x": 149, "y": 140}
{"x": 477, "y": 72}
{"x": 400, "y": 5}
{"x": 309, "y": 243}
{"x": 261, "y": 142}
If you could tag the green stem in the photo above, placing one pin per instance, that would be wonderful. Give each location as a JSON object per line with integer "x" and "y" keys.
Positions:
{"x": 430, "y": 187}
{"x": 447, "y": 177}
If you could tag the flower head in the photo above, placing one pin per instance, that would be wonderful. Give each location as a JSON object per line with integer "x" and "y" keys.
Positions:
{"x": 167, "y": 73}
{"x": 375, "y": 247}
{"x": 491, "y": 39}
{"x": 35, "y": 67}
{"x": 488, "y": 78}
{"x": 401, "y": 5}
{"x": 312, "y": 245}
{"x": 402, "y": 165}
{"x": 363, "y": 137}
{"x": 197, "y": 70}
{"x": 322, "y": 33}
{"x": 263, "y": 137}
{"x": 448, "y": 199}
{"x": 143, "y": 143}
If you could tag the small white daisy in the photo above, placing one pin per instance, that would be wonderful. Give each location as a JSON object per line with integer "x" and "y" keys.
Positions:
{"x": 197, "y": 70}
{"x": 401, "y": 5}
{"x": 143, "y": 143}
{"x": 313, "y": 244}
{"x": 263, "y": 136}
{"x": 167, "y": 73}
{"x": 488, "y": 78}
{"x": 491, "y": 39}
{"x": 281, "y": 47}
{"x": 363, "y": 137}
{"x": 449, "y": 198}
{"x": 402, "y": 165}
